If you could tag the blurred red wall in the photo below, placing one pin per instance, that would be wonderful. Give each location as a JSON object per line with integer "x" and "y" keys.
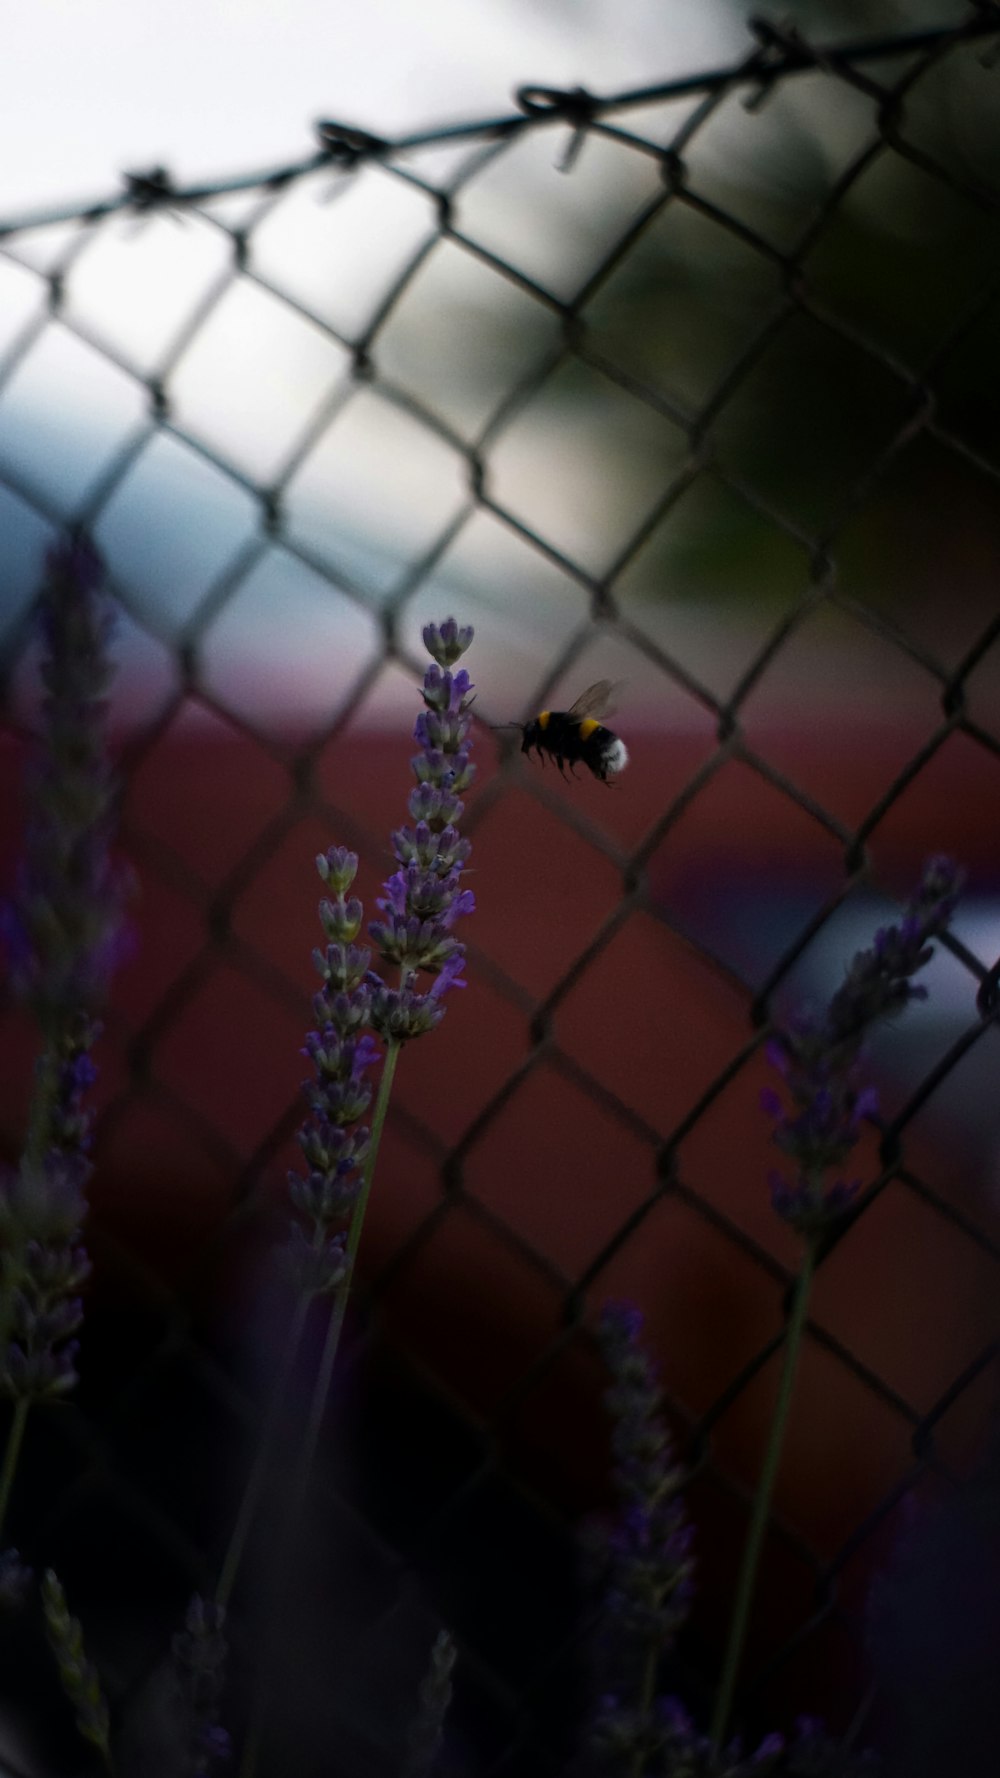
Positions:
{"x": 524, "y": 1181}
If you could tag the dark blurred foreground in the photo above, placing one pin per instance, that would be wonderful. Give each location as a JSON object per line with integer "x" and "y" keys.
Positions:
{"x": 557, "y": 1142}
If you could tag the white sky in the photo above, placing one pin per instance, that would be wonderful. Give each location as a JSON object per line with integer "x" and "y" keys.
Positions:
{"x": 217, "y": 87}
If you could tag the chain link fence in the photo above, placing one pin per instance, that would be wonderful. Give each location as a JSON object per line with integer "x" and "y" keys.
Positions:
{"x": 692, "y": 387}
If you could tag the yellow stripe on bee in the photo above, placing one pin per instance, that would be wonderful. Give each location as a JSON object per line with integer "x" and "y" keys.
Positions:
{"x": 542, "y": 718}
{"x": 587, "y": 728}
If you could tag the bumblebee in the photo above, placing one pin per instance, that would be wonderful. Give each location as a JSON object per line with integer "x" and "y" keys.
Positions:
{"x": 577, "y": 735}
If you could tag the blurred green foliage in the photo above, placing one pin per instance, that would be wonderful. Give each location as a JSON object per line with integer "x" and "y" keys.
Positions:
{"x": 830, "y": 327}
{"x": 813, "y": 313}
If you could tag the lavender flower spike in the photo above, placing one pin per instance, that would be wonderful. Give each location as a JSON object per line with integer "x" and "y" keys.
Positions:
{"x": 64, "y": 937}
{"x": 647, "y": 1559}
{"x": 334, "y": 1141}
{"x": 822, "y": 1059}
{"x": 199, "y": 1653}
{"x": 64, "y": 932}
{"x": 423, "y": 898}
{"x": 78, "y": 1674}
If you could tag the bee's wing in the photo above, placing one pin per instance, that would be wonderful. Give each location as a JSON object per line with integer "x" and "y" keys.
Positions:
{"x": 595, "y": 701}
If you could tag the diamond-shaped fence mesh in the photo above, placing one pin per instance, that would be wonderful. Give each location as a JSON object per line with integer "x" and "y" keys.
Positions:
{"x": 694, "y": 388}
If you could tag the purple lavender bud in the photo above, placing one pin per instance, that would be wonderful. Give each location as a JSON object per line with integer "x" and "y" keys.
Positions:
{"x": 39, "y": 1372}
{"x": 394, "y": 900}
{"x": 449, "y": 975}
{"x": 431, "y": 895}
{"x": 447, "y": 642}
{"x": 332, "y": 1148}
{"x": 447, "y": 691}
{"x": 199, "y": 1657}
{"x": 341, "y": 919}
{"x": 770, "y": 1748}
{"x": 340, "y": 1101}
{"x": 338, "y": 867}
{"x": 423, "y": 899}
{"x": 821, "y": 1057}
{"x": 342, "y": 1059}
{"x": 438, "y": 808}
{"x": 451, "y": 772}
{"x": 812, "y": 1754}
{"x": 878, "y": 980}
{"x": 399, "y": 1014}
{"x": 216, "y": 1744}
{"x": 318, "y": 1266}
{"x": 343, "y": 966}
{"x": 675, "y": 1716}
{"x": 413, "y": 943}
{"x": 57, "y": 1269}
{"x": 346, "y": 1013}
{"x": 436, "y": 732}
{"x": 324, "y": 1198}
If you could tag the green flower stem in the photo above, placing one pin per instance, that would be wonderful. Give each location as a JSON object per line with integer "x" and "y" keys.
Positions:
{"x": 15, "y": 1439}
{"x": 762, "y": 1502}
{"x": 647, "y": 1693}
{"x": 255, "y": 1481}
{"x": 321, "y": 1387}
{"x": 43, "y": 1105}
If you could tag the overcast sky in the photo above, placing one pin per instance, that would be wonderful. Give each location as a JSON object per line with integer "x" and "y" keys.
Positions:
{"x": 214, "y": 87}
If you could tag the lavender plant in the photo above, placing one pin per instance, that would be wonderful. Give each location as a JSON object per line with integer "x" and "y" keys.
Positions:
{"x": 640, "y": 1729}
{"x": 78, "y": 1674}
{"x": 822, "y": 1062}
{"x": 64, "y": 935}
{"x": 646, "y": 1556}
{"x": 199, "y": 1655}
{"x": 821, "y": 1059}
{"x": 355, "y": 1008}
{"x": 421, "y": 902}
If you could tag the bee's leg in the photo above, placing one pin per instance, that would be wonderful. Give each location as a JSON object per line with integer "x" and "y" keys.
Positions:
{"x": 561, "y": 763}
